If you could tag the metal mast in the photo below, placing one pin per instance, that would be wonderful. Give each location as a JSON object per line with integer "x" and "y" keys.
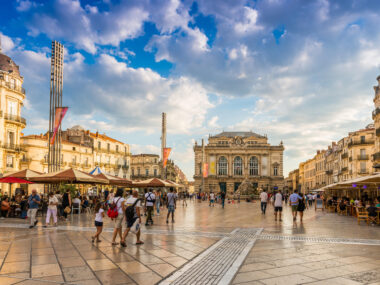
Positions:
{"x": 56, "y": 84}
{"x": 163, "y": 145}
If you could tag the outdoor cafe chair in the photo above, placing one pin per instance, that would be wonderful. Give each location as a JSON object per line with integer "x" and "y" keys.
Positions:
{"x": 362, "y": 215}
{"x": 75, "y": 206}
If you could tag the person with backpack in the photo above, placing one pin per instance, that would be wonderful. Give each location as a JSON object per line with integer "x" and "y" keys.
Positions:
{"x": 116, "y": 213}
{"x": 132, "y": 215}
{"x": 171, "y": 204}
{"x": 150, "y": 198}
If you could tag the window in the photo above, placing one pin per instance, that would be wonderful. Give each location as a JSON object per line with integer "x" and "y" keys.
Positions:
{"x": 133, "y": 172}
{"x": 99, "y": 145}
{"x": 12, "y": 108}
{"x": 108, "y": 147}
{"x": 138, "y": 171}
{"x": 125, "y": 150}
{"x": 11, "y": 138}
{"x": 86, "y": 162}
{"x": 362, "y": 153}
{"x": 9, "y": 161}
{"x": 238, "y": 166}
{"x": 117, "y": 148}
{"x": 73, "y": 148}
{"x": 253, "y": 166}
{"x": 155, "y": 172}
{"x": 74, "y": 160}
{"x": 362, "y": 139}
{"x": 222, "y": 166}
{"x": 146, "y": 172}
{"x": 362, "y": 167}
{"x": 46, "y": 158}
{"x": 275, "y": 170}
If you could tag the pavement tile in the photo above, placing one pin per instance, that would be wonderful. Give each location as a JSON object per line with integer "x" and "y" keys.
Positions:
{"x": 355, "y": 259}
{"x": 113, "y": 277}
{"x": 286, "y": 262}
{"x": 57, "y": 278}
{"x": 146, "y": 278}
{"x": 319, "y": 257}
{"x": 42, "y": 251}
{"x": 78, "y": 273}
{"x": 45, "y": 270}
{"x": 14, "y": 267}
{"x": 359, "y": 267}
{"x": 18, "y": 257}
{"x": 9, "y": 281}
{"x": 149, "y": 259}
{"x": 367, "y": 277}
{"x": 44, "y": 259}
{"x": 250, "y": 276}
{"x": 163, "y": 269}
{"x": 101, "y": 264}
{"x": 288, "y": 280}
{"x": 323, "y": 264}
{"x": 133, "y": 267}
{"x": 161, "y": 253}
{"x": 68, "y": 253}
{"x": 327, "y": 273}
{"x": 336, "y": 281}
{"x": 286, "y": 270}
{"x": 255, "y": 266}
{"x": 175, "y": 260}
{"x": 71, "y": 261}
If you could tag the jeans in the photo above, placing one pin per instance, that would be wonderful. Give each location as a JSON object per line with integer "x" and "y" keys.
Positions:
{"x": 32, "y": 214}
{"x": 223, "y": 203}
{"x": 263, "y": 207}
{"x": 158, "y": 207}
{"x": 48, "y": 215}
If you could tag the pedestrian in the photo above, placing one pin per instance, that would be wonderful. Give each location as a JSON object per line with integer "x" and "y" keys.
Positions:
{"x": 171, "y": 204}
{"x": 99, "y": 215}
{"x": 119, "y": 204}
{"x": 5, "y": 208}
{"x": 184, "y": 202}
{"x": 133, "y": 213}
{"x": 158, "y": 202}
{"x": 150, "y": 199}
{"x": 33, "y": 201}
{"x": 66, "y": 203}
{"x": 223, "y": 198}
{"x": 278, "y": 205}
{"x": 52, "y": 209}
{"x": 301, "y": 206}
{"x": 264, "y": 201}
{"x": 212, "y": 199}
{"x": 293, "y": 202}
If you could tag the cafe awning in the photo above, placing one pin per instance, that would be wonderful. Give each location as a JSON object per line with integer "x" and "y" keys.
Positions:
{"x": 23, "y": 174}
{"x": 71, "y": 176}
{"x": 113, "y": 180}
{"x": 153, "y": 182}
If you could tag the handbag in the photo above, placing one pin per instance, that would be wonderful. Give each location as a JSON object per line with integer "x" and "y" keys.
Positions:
{"x": 135, "y": 227}
{"x": 67, "y": 210}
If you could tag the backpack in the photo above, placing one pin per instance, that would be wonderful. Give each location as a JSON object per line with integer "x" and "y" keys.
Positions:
{"x": 130, "y": 211}
{"x": 113, "y": 211}
{"x": 149, "y": 199}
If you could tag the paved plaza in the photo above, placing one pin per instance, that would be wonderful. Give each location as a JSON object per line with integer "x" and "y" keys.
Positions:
{"x": 237, "y": 245}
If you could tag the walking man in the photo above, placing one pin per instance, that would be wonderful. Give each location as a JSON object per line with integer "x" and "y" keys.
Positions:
{"x": 171, "y": 204}
{"x": 223, "y": 198}
{"x": 264, "y": 201}
{"x": 34, "y": 200}
{"x": 134, "y": 202}
{"x": 150, "y": 198}
{"x": 293, "y": 202}
{"x": 212, "y": 199}
{"x": 278, "y": 205}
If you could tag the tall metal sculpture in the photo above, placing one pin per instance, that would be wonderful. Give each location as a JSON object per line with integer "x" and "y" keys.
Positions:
{"x": 56, "y": 84}
{"x": 163, "y": 145}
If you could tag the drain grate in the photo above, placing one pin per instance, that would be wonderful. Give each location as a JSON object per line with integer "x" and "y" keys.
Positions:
{"x": 219, "y": 263}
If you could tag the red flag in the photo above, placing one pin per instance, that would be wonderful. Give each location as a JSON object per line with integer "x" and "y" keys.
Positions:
{"x": 205, "y": 170}
{"x": 167, "y": 151}
{"x": 60, "y": 112}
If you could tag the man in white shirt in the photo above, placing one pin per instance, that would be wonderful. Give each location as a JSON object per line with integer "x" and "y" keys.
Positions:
{"x": 150, "y": 199}
{"x": 212, "y": 199}
{"x": 264, "y": 201}
{"x": 278, "y": 205}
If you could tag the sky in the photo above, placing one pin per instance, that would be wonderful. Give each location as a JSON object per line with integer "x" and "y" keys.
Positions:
{"x": 301, "y": 72}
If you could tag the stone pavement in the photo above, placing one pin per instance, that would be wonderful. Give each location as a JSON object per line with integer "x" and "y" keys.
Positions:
{"x": 205, "y": 246}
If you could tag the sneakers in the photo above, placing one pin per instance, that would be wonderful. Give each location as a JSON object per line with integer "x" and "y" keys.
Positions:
{"x": 167, "y": 221}
{"x": 31, "y": 227}
{"x": 35, "y": 223}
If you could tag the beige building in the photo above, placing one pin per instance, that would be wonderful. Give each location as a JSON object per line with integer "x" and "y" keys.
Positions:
{"x": 293, "y": 180}
{"x": 320, "y": 168}
{"x": 145, "y": 166}
{"x": 233, "y": 157}
{"x": 12, "y": 96}
{"x": 81, "y": 150}
{"x": 376, "y": 119}
{"x": 310, "y": 175}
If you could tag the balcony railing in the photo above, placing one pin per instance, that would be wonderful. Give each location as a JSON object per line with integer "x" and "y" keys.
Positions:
{"x": 376, "y": 156}
{"x": 363, "y": 171}
{"x": 363, "y": 157}
{"x": 344, "y": 169}
{"x": 361, "y": 142}
{"x": 14, "y": 87}
{"x": 329, "y": 172}
{"x": 378, "y": 132}
{"x": 344, "y": 155}
{"x": 13, "y": 147}
{"x": 14, "y": 118}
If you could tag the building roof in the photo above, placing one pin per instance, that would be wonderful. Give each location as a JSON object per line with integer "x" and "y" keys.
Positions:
{"x": 8, "y": 65}
{"x": 104, "y": 137}
{"x": 238, "y": 134}
{"x": 145, "y": 154}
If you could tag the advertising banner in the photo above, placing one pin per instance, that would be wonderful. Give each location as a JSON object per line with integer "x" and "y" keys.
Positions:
{"x": 205, "y": 170}
{"x": 60, "y": 112}
{"x": 167, "y": 151}
{"x": 212, "y": 170}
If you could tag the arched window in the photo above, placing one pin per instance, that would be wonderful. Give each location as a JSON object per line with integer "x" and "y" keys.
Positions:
{"x": 238, "y": 166}
{"x": 222, "y": 166}
{"x": 253, "y": 166}
{"x": 275, "y": 169}
{"x": 133, "y": 172}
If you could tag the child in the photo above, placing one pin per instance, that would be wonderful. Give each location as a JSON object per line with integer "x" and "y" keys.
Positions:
{"x": 98, "y": 221}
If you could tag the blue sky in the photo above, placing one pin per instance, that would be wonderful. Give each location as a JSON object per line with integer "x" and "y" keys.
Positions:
{"x": 299, "y": 71}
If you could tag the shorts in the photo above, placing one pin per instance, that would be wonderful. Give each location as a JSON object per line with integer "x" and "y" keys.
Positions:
{"x": 131, "y": 222}
{"x": 212, "y": 201}
{"x": 294, "y": 208}
{"x": 278, "y": 209}
{"x": 118, "y": 221}
{"x": 171, "y": 208}
{"x": 98, "y": 224}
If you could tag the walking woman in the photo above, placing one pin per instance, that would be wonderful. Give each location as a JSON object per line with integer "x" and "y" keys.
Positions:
{"x": 52, "y": 209}
{"x": 301, "y": 206}
{"x": 66, "y": 202}
{"x": 119, "y": 202}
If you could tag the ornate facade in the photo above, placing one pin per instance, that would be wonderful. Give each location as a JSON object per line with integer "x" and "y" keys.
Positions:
{"x": 145, "y": 166}
{"x": 376, "y": 119}
{"x": 12, "y": 96}
{"x": 234, "y": 157}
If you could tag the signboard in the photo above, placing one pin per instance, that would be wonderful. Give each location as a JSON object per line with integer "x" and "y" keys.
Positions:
{"x": 319, "y": 204}
{"x": 212, "y": 170}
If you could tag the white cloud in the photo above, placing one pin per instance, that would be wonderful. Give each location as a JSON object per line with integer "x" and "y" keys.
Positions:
{"x": 249, "y": 22}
